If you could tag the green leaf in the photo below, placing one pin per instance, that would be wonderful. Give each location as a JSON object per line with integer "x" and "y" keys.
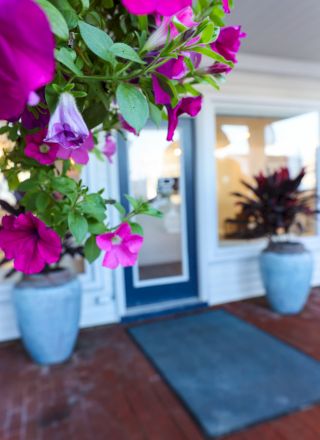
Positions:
{"x": 207, "y": 51}
{"x": 91, "y": 250}
{"x": 133, "y": 202}
{"x": 122, "y": 50}
{"x": 52, "y": 98}
{"x": 42, "y": 201}
{"x": 211, "y": 80}
{"x": 95, "y": 114}
{"x": 78, "y": 226}
{"x": 85, "y": 4}
{"x": 121, "y": 209}
{"x": 136, "y": 228}
{"x": 108, "y": 4}
{"x": 97, "y": 41}
{"x": 133, "y": 105}
{"x": 64, "y": 185}
{"x": 95, "y": 227}
{"x": 152, "y": 212}
{"x": 155, "y": 114}
{"x": 66, "y": 57}
{"x": 93, "y": 206}
{"x": 210, "y": 33}
{"x": 58, "y": 23}
{"x": 28, "y": 185}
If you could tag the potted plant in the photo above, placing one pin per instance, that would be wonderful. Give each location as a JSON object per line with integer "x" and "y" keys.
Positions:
{"x": 71, "y": 70}
{"x": 273, "y": 207}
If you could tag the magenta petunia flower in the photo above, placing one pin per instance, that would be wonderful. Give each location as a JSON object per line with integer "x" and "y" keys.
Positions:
{"x": 27, "y": 55}
{"x": 110, "y": 147}
{"x": 173, "y": 69}
{"x": 121, "y": 247}
{"x": 79, "y": 155}
{"x": 126, "y": 126}
{"x": 190, "y": 106}
{"x": 162, "y": 7}
{"x": 66, "y": 125}
{"x": 226, "y": 6}
{"x": 229, "y": 42}
{"x": 43, "y": 152}
{"x": 29, "y": 242}
{"x": 165, "y": 24}
{"x": 218, "y": 68}
{"x": 38, "y": 117}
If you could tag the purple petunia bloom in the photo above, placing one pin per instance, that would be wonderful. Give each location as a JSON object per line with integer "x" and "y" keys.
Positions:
{"x": 162, "y": 7}
{"x": 29, "y": 242}
{"x": 229, "y": 42}
{"x": 79, "y": 155}
{"x": 27, "y": 55}
{"x": 190, "y": 106}
{"x": 66, "y": 125}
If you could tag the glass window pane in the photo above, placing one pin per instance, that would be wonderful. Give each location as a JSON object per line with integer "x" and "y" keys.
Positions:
{"x": 246, "y": 145}
{"x": 156, "y": 175}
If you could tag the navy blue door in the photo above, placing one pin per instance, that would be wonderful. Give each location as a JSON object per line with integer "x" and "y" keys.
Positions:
{"x": 163, "y": 173}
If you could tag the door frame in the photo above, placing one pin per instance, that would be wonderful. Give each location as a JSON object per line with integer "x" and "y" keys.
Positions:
{"x": 205, "y": 212}
{"x": 189, "y": 277}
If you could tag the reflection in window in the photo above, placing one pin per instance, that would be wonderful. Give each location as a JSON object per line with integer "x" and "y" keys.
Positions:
{"x": 155, "y": 175}
{"x": 247, "y": 145}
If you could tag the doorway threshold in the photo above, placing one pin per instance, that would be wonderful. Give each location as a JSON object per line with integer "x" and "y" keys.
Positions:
{"x": 141, "y": 313}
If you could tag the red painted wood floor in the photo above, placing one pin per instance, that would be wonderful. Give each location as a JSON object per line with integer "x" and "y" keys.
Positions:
{"x": 109, "y": 391}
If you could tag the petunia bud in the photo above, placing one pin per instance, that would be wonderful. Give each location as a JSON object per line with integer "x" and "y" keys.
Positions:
{"x": 66, "y": 125}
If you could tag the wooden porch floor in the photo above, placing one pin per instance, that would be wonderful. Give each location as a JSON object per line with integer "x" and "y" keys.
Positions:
{"x": 109, "y": 391}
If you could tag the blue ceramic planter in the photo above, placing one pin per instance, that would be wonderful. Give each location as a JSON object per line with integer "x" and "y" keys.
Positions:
{"x": 48, "y": 313}
{"x": 286, "y": 276}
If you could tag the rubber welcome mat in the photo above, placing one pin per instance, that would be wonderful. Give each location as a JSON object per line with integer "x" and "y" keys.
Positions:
{"x": 228, "y": 373}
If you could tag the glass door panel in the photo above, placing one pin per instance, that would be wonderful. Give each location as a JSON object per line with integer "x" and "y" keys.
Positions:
{"x": 162, "y": 173}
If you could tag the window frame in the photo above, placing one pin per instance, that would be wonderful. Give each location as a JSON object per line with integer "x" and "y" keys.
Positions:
{"x": 240, "y": 107}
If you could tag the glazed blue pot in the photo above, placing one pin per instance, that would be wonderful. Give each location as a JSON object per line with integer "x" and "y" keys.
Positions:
{"x": 48, "y": 314}
{"x": 286, "y": 270}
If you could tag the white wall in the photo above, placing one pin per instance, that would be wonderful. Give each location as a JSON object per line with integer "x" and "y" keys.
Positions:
{"x": 232, "y": 273}
{"x": 225, "y": 274}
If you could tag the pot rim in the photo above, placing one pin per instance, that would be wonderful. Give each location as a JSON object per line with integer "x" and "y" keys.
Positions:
{"x": 285, "y": 247}
{"x": 46, "y": 280}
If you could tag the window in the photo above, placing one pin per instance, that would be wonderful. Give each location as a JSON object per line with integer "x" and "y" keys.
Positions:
{"x": 246, "y": 145}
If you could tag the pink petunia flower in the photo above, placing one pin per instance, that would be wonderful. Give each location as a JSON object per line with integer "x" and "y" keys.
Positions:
{"x": 218, "y": 69}
{"x": 110, "y": 147}
{"x": 166, "y": 25}
{"x": 126, "y": 126}
{"x": 226, "y": 6}
{"x": 27, "y": 55}
{"x": 79, "y": 155}
{"x": 229, "y": 42}
{"x": 29, "y": 242}
{"x": 43, "y": 152}
{"x": 190, "y": 106}
{"x": 162, "y": 7}
{"x": 173, "y": 69}
{"x": 121, "y": 247}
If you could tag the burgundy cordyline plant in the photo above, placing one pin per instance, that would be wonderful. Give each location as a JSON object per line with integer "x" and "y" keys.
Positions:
{"x": 272, "y": 206}
{"x": 71, "y": 69}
